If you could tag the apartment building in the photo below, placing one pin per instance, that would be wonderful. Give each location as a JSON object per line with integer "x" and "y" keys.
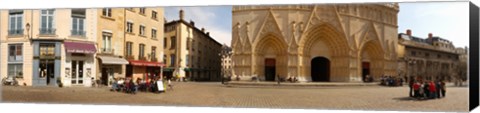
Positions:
{"x": 76, "y": 47}
{"x": 190, "y": 52}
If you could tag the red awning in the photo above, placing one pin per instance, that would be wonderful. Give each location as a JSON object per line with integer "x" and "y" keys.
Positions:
{"x": 146, "y": 63}
{"x": 78, "y": 47}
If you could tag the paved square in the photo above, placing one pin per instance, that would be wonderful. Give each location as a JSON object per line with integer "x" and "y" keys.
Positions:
{"x": 217, "y": 95}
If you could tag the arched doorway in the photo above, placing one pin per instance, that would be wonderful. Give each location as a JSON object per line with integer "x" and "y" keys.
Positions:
{"x": 320, "y": 69}
{"x": 270, "y": 69}
{"x": 365, "y": 70}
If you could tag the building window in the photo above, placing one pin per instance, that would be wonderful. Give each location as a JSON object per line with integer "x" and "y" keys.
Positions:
{"x": 15, "y": 70}
{"x": 439, "y": 56}
{"x": 129, "y": 48}
{"x": 129, "y": 27}
{"x": 142, "y": 11}
{"x": 172, "y": 60}
{"x": 78, "y": 20}
{"x": 154, "y": 53}
{"x": 193, "y": 45}
{"x": 164, "y": 59}
{"x": 142, "y": 30}
{"x": 47, "y": 50}
{"x": 173, "y": 42}
{"x": 154, "y": 34}
{"x": 186, "y": 60}
{"x": 164, "y": 42}
{"x": 154, "y": 15}
{"x": 141, "y": 52}
{"x": 107, "y": 12}
{"x": 188, "y": 43}
{"x": 427, "y": 54}
{"x": 15, "y": 53}
{"x": 15, "y": 61}
{"x": 15, "y": 22}
{"x": 413, "y": 53}
{"x": 47, "y": 22}
{"x": 107, "y": 42}
{"x": 130, "y": 9}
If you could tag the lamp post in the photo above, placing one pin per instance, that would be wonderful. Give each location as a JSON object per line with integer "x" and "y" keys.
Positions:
{"x": 28, "y": 29}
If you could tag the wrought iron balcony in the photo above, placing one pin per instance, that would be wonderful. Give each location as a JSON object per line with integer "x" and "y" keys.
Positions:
{"x": 78, "y": 33}
{"x": 47, "y": 31}
{"x": 15, "y": 32}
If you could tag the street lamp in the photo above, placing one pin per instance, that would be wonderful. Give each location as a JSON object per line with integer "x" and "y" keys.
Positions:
{"x": 28, "y": 29}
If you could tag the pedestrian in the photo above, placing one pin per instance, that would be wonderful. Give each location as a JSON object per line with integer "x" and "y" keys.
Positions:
{"x": 432, "y": 89}
{"x": 444, "y": 88}
{"x": 416, "y": 88}
{"x": 439, "y": 88}
{"x": 410, "y": 85}
{"x": 426, "y": 92}
{"x": 278, "y": 79}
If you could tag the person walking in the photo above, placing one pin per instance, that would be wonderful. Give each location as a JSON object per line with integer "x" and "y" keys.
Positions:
{"x": 410, "y": 85}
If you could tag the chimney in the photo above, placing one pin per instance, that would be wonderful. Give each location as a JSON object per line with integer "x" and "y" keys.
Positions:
{"x": 409, "y": 32}
{"x": 192, "y": 23}
{"x": 203, "y": 29}
{"x": 181, "y": 14}
{"x": 208, "y": 33}
{"x": 430, "y": 35}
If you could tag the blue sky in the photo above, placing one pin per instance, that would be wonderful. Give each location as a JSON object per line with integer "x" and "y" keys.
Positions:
{"x": 448, "y": 20}
{"x": 215, "y": 19}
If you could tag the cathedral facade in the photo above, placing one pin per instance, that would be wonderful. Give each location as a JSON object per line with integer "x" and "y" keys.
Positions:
{"x": 326, "y": 42}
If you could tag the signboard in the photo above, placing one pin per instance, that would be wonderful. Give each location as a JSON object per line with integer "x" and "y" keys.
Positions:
{"x": 160, "y": 85}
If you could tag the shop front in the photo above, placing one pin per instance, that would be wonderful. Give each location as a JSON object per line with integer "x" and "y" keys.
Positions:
{"x": 111, "y": 67}
{"x": 144, "y": 70}
{"x": 46, "y": 62}
{"x": 79, "y": 64}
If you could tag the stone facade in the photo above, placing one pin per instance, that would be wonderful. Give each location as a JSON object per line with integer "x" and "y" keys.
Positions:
{"x": 190, "y": 52}
{"x": 343, "y": 41}
{"x": 226, "y": 56}
{"x": 428, "y": 58}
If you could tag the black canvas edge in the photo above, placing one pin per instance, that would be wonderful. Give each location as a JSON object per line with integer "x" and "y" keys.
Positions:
{"x": 473, "y": 57}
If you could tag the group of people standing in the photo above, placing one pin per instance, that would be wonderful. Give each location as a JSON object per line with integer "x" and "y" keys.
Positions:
{"x": 391, "y": 81}
{"x": 427, "y": 89}
{"x": 128, "y": 86}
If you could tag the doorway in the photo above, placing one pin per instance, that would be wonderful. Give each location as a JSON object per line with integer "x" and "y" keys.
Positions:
{"x": 365, "y": 70}
{"x": 77, "y": 72}
{"x": 47, "y": 70}
{"x": 320, "y": 69}
{"x": 107, "y": 73}
{"x": 270, "y": 69}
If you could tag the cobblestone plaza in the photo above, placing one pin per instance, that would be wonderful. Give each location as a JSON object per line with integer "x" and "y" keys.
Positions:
{"x": 216, "y": 95}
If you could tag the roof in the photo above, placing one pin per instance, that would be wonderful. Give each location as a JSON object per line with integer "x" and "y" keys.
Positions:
{"x": 174, "y": 22}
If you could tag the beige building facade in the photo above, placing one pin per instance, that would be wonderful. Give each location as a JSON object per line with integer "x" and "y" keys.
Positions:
{"x": 327, "y": 42}
{"x": 77, "y": 47}
{"x": 40, "y": 46}
{"x": 190, "y": 52}
{"x": 431, "y": 58}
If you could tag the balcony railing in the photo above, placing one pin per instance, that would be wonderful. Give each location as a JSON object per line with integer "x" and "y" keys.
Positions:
{"x": 15, "y": 32}
{"x": 142, "y": 58}
{"x": 47, "y": 31}
{"x": 78, "y": 33}
{"x": 107, "y": 50}
{"x": 154, "y": 59}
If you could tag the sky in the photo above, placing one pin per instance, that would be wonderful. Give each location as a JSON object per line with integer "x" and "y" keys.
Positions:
{"x": 448, "y": 20}
{"x": 215, "y": 19}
